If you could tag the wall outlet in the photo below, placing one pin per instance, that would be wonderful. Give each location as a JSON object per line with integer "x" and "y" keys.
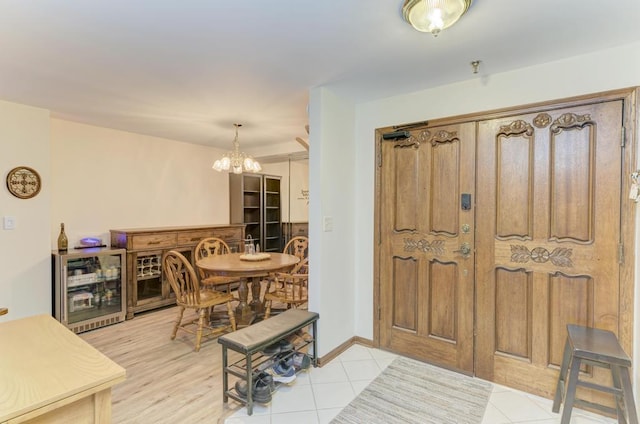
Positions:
{"x": 9, "y": 223}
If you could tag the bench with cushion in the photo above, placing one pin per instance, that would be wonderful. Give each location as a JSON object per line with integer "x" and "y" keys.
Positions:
{"x": 250, "y": 341}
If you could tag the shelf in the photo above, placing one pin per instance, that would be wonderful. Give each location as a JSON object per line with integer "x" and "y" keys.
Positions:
{"x": 148, "y": 277}
{"x": 260, "y": 363}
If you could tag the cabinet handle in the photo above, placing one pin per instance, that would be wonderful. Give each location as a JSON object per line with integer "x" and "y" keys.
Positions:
{"x": 195, "y": 238}
{"x": 63, "y": 295}
{"x": 154, "y": 242}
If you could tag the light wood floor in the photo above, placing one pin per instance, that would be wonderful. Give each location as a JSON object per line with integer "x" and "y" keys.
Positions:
{"x": 167, "y": 381}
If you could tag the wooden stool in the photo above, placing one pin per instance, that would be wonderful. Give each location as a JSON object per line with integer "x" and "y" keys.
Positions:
{"x": 598, "y": 348}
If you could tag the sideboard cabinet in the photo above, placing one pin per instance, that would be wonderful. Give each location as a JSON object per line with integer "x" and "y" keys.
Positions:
{"x": 147, "y": 287}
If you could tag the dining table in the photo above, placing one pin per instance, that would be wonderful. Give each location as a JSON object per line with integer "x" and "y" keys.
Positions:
{"x": 246, "y": 267}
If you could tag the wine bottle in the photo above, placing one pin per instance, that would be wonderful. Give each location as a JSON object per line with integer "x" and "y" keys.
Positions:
{"x": 63, "y": 242}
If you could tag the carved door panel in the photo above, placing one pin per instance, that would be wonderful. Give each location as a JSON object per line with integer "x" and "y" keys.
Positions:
{"x": 548, "y": 230}
{"x": 426, "y": 252}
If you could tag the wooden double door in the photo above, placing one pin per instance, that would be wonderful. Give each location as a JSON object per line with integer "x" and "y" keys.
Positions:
{"x": 494, "y": 234}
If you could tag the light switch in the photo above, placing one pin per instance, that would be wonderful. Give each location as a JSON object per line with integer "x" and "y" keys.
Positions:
{"x": 327, "y": 223}
{"x": 9, "y": 223}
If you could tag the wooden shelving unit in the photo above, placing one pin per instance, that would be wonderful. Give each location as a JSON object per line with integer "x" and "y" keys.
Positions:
{"x": 255, "y": 200}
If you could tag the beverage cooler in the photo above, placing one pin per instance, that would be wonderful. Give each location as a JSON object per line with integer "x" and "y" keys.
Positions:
{"x": 89, "y": 287}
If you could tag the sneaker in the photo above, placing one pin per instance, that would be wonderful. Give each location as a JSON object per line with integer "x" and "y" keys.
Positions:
{"x": 286, "y": 358}
{"x": 300, "y": 361}
{"x": 263, "y": 386}
{"x": 279, "y": 346}
{"x": 282, "y": 373}
{"x": 265, "y": 379}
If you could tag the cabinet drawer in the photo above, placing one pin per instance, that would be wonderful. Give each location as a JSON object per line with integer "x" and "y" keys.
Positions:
{"x": 228, "y": 234}
{"x": 299, "y": 229}
{"x": 146, "y": 241}
{"x": 187, "y": 238}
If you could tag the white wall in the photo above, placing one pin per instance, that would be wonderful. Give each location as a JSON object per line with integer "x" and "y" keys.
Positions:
{"x": 25, "y": 254}
{"x": 107, "y": 179}
{"x": 332, "y": 186}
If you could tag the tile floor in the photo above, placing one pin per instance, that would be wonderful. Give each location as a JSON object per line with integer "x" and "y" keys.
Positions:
{"x": 319, "y": 394}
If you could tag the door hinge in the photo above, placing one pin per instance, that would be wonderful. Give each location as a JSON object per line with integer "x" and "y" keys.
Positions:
{"x": 624, "y": 136}
{"x": 379, "y": 313}
{"x": 620, "y": 253}
{"x": 379, "y": 157}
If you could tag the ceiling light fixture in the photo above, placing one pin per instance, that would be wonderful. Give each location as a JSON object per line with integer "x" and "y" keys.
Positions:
{"x": 434, "y": 15}
{"x": 235, "y": 161}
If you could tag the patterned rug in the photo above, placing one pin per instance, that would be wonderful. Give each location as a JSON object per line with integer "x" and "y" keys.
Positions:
{"x": 409, "y": 392}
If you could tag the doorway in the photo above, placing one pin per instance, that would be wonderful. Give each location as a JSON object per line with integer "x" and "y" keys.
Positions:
{"x": 495, "y": 231}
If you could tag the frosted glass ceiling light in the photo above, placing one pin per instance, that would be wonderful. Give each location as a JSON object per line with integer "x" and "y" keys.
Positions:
{"x": 235, "y": 161}
{"x": 434, "y": 15}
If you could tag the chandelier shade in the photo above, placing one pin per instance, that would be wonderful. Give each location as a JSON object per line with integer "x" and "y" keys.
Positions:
{"x": 235, "y": 161}
{"x": 434, "y": 15}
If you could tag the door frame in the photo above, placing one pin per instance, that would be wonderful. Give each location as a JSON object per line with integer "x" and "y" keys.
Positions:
{"x": 631, "y": 117}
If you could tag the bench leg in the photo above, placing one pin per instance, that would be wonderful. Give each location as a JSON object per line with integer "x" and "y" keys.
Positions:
{"x": 566, "y": 359}
{"x": 571, "y": 390}
{"x": 314, "y": 327}
{"x": 249, "y": 385}
{"x": 225, "y": 376}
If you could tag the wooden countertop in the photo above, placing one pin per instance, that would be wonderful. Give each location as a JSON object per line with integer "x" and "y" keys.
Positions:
{"x": 43, "y": 365}
{"x": 171, "y": 229}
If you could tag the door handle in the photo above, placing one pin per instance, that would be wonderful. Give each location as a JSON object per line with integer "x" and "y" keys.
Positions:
{"x": 465, "y": 249}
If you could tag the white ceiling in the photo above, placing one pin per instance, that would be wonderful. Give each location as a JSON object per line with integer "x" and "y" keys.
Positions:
{"x": 188, "y": 69}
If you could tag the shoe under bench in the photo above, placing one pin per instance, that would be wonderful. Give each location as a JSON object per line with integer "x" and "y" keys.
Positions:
{"x": 250, "y": 341}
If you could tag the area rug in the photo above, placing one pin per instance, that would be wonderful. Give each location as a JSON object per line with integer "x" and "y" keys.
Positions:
{"x": 409, "y": 392}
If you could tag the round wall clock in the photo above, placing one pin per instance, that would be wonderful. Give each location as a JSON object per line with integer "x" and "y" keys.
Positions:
{"x": 23, "y": 182}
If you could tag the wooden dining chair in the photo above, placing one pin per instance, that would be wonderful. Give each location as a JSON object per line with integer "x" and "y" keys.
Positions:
{"x": 187, "y": 288}
{"x": 299, "y": 246}
{"x": 214, "y": 246}
{"x": 289, "y": 289}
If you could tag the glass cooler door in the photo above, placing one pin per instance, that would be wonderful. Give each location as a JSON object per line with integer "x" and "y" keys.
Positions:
{"x": 92, "y": 287}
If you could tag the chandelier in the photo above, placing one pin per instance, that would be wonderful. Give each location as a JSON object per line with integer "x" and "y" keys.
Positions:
{"x": 236, "y": 161}
{"x": 434, "y": 15}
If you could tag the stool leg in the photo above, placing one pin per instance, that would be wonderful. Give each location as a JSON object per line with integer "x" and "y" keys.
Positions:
{"x": 571, "y": 390}
{"x": 629, "y": 403}
{"x": 619, "y": 398}
{"x": 566, "y": 358}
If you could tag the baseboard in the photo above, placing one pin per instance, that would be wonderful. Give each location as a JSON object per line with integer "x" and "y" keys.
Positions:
{"x": 343, "y": 347}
